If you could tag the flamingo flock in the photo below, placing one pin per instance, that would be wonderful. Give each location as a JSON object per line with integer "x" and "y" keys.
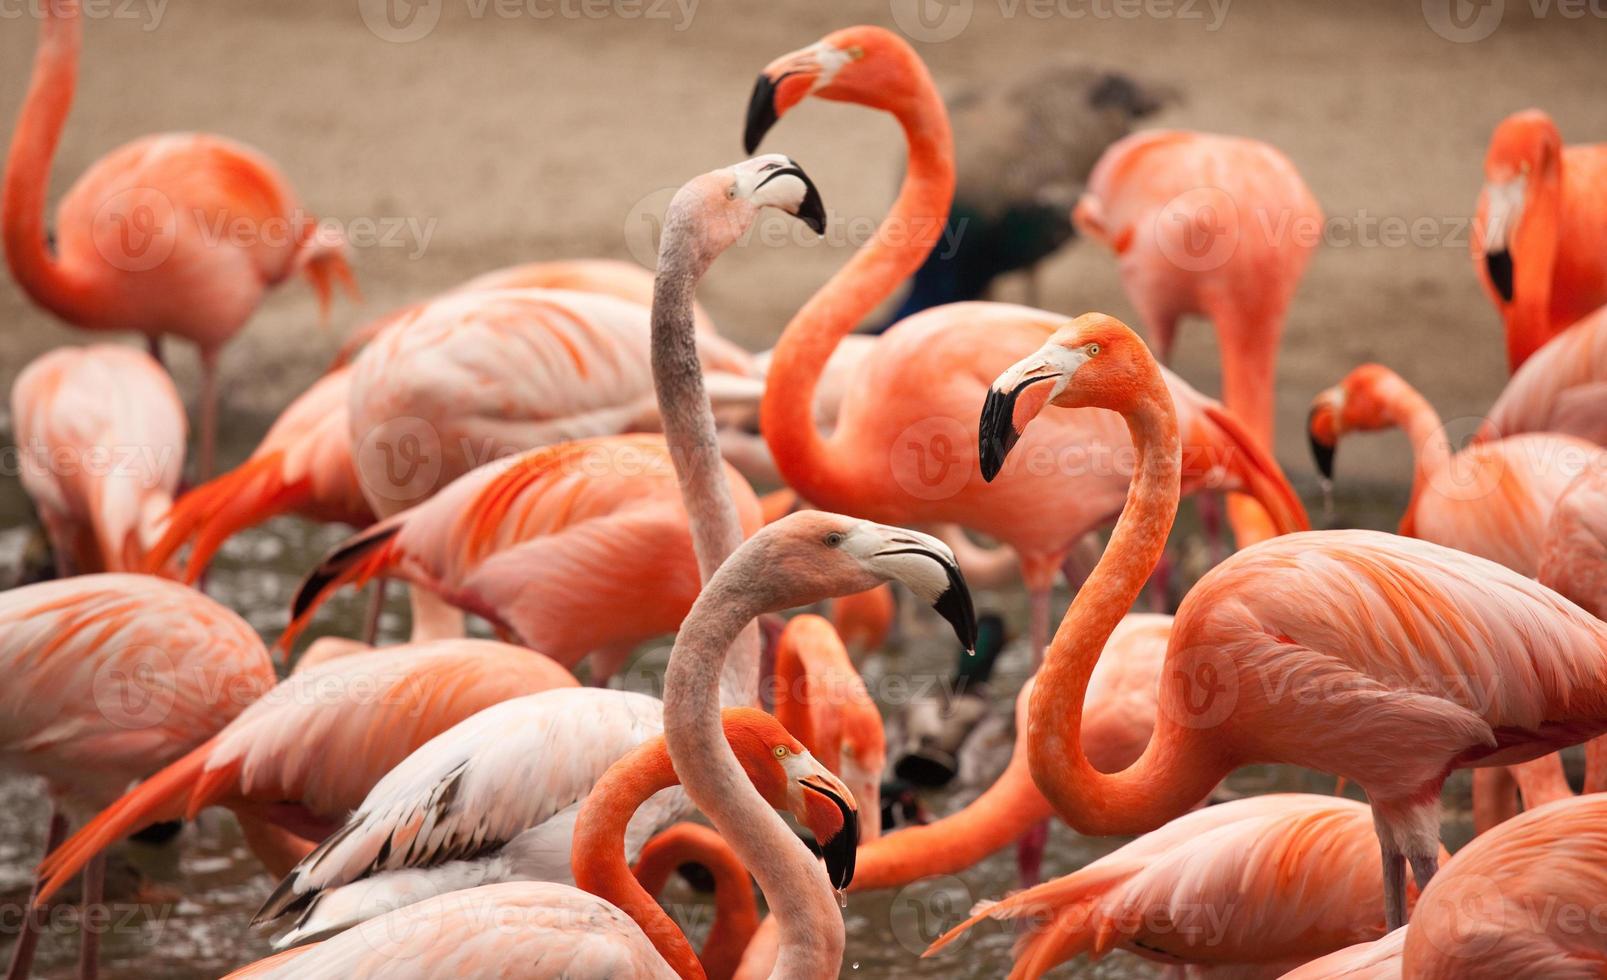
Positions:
{"x": 567, "y": 456}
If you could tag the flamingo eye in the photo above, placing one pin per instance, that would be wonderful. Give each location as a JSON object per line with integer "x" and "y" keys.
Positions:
{"x": 1092, "y": 349}
{"x": 731, "y": 191}
{"x": 781, "y": 751}
{"x": 834, "y": 539}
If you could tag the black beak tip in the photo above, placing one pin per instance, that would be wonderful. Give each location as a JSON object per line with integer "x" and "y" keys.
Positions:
{"x": 841, "y": 850}
{"x": 1499, "y": 265}
{"x": 954, "y": 605}
{"x": 812, "y": 211}
{"x": 761, "y": 113}
{"x": 1321, "y": 453}
{"x": 996, "y": 435}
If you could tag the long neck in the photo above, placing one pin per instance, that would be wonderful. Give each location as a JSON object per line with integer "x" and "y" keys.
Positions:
{"x": 794, "y": 884}
{"x": 690, "y": 433}
{"x": 1407, "y": 408}
{"x": 1534, "y": 259}
{"x": 908, "y": 233}
{"x": 1175, "y": 771}
{"x": 598, "y": 854}
{"x": 33, "y": 146}
{"x": 736, "y": 913}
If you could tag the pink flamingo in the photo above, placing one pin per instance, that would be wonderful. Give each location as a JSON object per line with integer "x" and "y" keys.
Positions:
{"x": 1540, "y": 230}
{"x": 1333, "y": 650}
{"x": 100, "y": 433}
{"x": 562, "y": 932}
{"x": 144, "y": 239}
{"x": 1561, "y": 388}
{"x": 1376, "y": 960}
{"x": 109, "y": 678}
{"x": 818, "y": 694}
{"x": 901, "y": 451}
{"x": 1511, "y": 902}
{"x": 1268, "y": 882}
{"x": 369, "y": 710}
{"x": 736, "y": 913}
{"x": 1493, "y": 499}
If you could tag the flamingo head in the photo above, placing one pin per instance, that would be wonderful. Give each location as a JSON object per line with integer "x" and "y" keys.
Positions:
{"x": 723, "y": 204}
{"x": 1359, "y": 403}
{"x": 1093, "y": 361}
{"x": 1525, "y": 146}
{"x": 820, "y": 556}
{"x": 791, "y": 779}
{"x": 868, "y": 65}
{"x": 863, "y": 758}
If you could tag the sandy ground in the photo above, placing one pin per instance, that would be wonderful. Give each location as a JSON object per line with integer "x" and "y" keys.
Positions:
{"x": 530, "y": 130}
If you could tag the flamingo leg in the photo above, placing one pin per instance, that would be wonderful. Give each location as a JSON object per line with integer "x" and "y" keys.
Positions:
{"x": 1394, "y": 888}
{"x": 1039, "y": 625}
{"x": 209, "y": 416}
{"x": 1030, "y": 849}
{"x": 1160, "y": 584}
{"x": 33, "y": 922}
{"x": 1209, "y": 507}
{"x": 92, "y": 918}
{"x": 153, "y": 344}
{"x": 376, "y": 607}
{"x": 1423, "y": 868}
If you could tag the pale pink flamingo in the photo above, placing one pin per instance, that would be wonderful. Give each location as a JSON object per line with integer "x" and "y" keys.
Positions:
{"x": 143, "y": 239}
{"x": 1520, "y": 900}
{"x": 1540, "y": 230}
{"x": 1494, "y": 499}
{"x": 1265, "y": 882}
{"x": 100, "y": 442}
{"x": 902, "y": 449}
{"x": 547, "y": 930}
{"x": 1385, "y": 660}
{"x": 736, "y": 913}
{"x": 270, "y": 765}
{"x": 109, "y": 678}
{"x": 1561, "y": 388}
{"x": 817, "y": 693}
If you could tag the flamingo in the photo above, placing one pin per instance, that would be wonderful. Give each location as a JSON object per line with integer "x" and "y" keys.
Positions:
{"x": 100, "y": 435}
{"x": 1494, "y": 499}
{"x": 615, "y": 930}
{"x": 1516, "y": 901}
{"x": 818, "y": 695}
{"x": 1540, "y": 230}
{"x": 1332, "y": 650}
{"x": 1561, "y": 388}
{"x": 1266, "y": 881}
{"x": 110, "y": 677}
{"x": 1376, "y": 960}
{"x": 370, "y": 710}
{"x": 736, "y": 913}
{"x": 900, "y": 452}
{"x": 138, "y": 244}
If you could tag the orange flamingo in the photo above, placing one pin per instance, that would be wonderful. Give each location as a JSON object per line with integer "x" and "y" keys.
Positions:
{"x": 1329, "y": 649}
{"x": 1376, "y": 960}
{"x": 146, "y": 239}
{"x": 370, "y": 710}
{"x": 818, "y": 694}
{"x": 1562, "y": 388}
{"x": 1268, "y": 881}
{"x": 100, "y": 436}
{"x": 616, "y": 930}
{"x": 1540, "y": 230}
{"x": 1512, "y": 902}
{"x": 110, "y": 677}
{"x": 900, "y": 452}
{"x": 736, "y": 913}
{"x": 1494, "y": 499}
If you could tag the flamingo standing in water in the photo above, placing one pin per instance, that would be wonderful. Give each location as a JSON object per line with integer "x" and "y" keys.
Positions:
{"x": 1540, "y": 231}
{"x": 1518, "y": 900}
{"x": 736, "y": 913}
{"x": 901, "y": 451}
{"x": 144, "y": 239}
{"x": 1561, "y": 388}
{"x": 109, "y": 678}
{"x": 100, "y": 437}
{"x": 615, "y": 930}
{"x": 1333, "y": 650}
{"x": 1267, "y": 881}
{"x": 268, "y": 765}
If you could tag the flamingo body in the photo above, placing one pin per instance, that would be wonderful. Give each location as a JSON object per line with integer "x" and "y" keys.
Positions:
{"x": 1562, "y": 387}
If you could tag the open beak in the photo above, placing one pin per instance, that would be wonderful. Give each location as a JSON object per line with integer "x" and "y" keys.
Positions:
{"x": 811, "y": 211}
{"x": 832, "y": 815}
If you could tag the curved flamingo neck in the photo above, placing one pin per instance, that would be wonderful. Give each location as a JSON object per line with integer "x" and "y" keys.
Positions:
{"x": 33, "y": 146}
{"x": 690, "y": 433}
{"x": 1405, "y": 406}
{"x": 736, "y": 913}
{"x": 909, "y": 232}
{"x": 1173, "y": 773}
{"x": 598, "y": 854}
{"x": 794, "y": 884}
{"x": 1534, "y": 259}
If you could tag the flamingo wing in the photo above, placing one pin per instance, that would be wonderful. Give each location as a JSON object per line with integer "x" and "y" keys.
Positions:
{"x": 1562, "y": 387}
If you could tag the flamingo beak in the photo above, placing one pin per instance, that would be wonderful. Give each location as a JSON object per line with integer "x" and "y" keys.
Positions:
{"x": 1499, "y": 266}
{"x": 832, "y": 816}
{"x": 1322, "y": 430}
{"x": 761, "y": 112}
{"x": 999, "y": 433}
{"x": 812, "y": 210}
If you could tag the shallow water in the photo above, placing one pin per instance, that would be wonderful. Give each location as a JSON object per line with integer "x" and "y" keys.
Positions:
{"x": 190, "y": 922}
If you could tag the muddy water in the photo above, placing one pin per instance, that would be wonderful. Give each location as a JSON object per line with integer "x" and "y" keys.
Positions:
{"x": 188, "y": 918}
